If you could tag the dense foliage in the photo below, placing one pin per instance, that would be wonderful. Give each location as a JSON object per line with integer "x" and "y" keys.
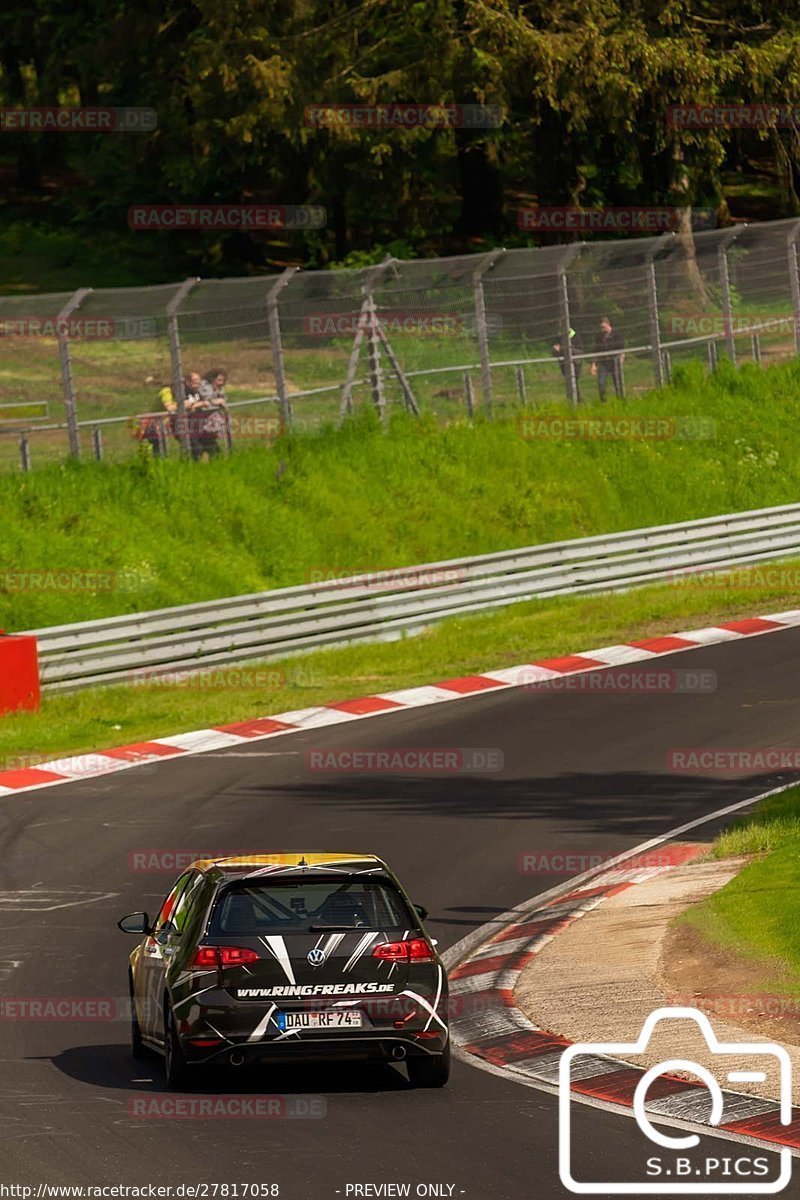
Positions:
{"x": 583, "y": 85}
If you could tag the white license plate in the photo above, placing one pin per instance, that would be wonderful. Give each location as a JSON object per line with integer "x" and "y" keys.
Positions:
{"x": 320, "y": 1020}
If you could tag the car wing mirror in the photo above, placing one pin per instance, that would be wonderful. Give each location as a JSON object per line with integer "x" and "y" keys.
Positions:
{"x": 137, "y": 922}
{"x": 421, "y": 911}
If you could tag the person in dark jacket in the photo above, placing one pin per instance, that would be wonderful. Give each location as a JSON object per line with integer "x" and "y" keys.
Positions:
{"x": 576, "y": 347}
{"x": 610, "y": 365}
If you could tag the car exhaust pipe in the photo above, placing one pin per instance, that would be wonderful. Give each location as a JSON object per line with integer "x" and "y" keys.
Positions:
{"x": 398, "y": 1053}
{"x": 236, "y": 1059}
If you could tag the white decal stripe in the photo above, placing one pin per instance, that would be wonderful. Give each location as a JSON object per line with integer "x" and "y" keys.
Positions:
{"x": 365, "y": 942}
{"x": 261, "y": 1027}
{"x": 277, "y": 945}
{"x": 332, "y": 943}
{"x": 427, "y": 1008}
{"x": 438, "y": 995}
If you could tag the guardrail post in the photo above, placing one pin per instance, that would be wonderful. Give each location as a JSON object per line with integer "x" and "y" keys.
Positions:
{"x": 24, "y": 452}
{"x": 481, "y": 327}
{"x": 794, "y": 283}
{"x": 97, "y": 443}
{"x": 276, "y": 344}
{"x": 652, "y": 306}
{"x": 755, "y": 343}
{"x": 728, "y": 236}
{"x": 65, "y": 360}
{"x": 666, "y": 360}
{"x": 712, "y": 354}
{"x": 176, "y": 359}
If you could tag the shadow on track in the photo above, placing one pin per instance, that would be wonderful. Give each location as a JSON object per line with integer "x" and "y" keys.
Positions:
{"x": 111, "y": 1066}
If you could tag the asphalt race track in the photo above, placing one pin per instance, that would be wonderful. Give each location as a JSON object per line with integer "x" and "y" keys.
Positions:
{"x": 584, "y": 773}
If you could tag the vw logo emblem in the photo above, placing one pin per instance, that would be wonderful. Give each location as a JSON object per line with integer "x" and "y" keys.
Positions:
{"x": 316, "y": 957}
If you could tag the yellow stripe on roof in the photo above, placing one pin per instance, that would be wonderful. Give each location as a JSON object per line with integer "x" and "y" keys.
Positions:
{"x": 283, "y": 860}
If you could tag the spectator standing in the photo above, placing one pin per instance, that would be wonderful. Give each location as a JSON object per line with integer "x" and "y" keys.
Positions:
{"x": 610, "y": 366}
{"x": 576, "y": 347}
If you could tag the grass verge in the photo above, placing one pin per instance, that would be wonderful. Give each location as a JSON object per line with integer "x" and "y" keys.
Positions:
{"x": 360, "y": 498}
{"x": 755, "y": 915}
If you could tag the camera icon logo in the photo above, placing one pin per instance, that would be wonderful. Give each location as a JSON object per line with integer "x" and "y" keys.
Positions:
{"x": 675, "y": 1171}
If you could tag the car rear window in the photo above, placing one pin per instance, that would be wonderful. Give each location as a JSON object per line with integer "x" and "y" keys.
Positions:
{"x": 295, "y": 905}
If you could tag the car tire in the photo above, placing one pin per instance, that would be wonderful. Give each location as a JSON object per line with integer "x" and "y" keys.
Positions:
{"x": 433, "y": 1071}
{"x": 175, "y": 1068}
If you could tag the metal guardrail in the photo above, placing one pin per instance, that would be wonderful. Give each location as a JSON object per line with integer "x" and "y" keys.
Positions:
{"x": 267, "y": 625}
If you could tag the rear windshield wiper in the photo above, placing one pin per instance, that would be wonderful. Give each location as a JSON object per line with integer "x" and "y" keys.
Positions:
{"x": 334, "y": 928}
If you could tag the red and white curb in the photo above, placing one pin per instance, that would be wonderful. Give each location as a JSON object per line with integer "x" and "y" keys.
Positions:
{"x": 486, "y": 1024}
{"x": 120, "y": 758}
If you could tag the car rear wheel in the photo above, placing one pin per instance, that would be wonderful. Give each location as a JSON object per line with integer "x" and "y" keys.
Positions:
{"x": 430, "y": 1072}
{"x": 175, "y": 1067}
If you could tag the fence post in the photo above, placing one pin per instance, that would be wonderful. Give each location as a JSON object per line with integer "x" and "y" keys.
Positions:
{"x": 570, "y": 377}
{"x": 469, "y": 397}
{"x": 728, "y": 236}
{"x": 97, "y": 443}
{"x": 666, "y": 361}
{"x": 67, "y": 380}
{"x": 375, "y": 373}
{"x": 24, "y": 451}
{"x": 276, "y": 344}
{"x": 369, "y": 313}
{"x": 652, "y": 305}
{"x": 523, "y": 397}
{"x": 712, "y": 354}
{"x": 177, "y": 363}
{"x": 755, "y": 344}
{"x": 481, "y": 328}
{"x": 794, "y": 282}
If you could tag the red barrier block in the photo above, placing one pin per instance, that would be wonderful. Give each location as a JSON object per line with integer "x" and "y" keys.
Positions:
{"x": 19, "y": 674}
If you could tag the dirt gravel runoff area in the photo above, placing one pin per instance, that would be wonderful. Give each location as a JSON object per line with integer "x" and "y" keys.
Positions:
{"x": 599, "y": 980}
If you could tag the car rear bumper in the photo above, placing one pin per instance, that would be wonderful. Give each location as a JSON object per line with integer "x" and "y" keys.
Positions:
{"x": 374, "y": 1046}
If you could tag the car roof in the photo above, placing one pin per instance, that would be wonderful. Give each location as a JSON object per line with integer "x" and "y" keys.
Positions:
{"x": 290, "y": 864}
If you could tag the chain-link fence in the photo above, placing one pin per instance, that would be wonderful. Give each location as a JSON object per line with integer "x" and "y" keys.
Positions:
{"x": 85, "y": 372}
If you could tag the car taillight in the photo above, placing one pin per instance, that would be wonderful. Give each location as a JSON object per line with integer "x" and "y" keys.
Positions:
{"x": 414, "y": 950}
{"x": 205, "y": 956}
{"x": 223, "y": 956}
{"x": 236, "y": 956}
